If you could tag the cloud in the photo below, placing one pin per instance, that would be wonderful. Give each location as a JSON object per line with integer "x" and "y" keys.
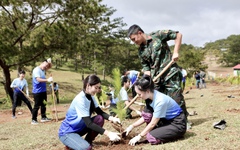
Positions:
{"x": 198, "y": 21}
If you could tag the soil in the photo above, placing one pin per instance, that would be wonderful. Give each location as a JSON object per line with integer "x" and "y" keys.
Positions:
{"x": 99, "y": 144}
{"x": 102, "y": 142}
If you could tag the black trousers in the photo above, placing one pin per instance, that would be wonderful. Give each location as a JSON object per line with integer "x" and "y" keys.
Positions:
{"x": 168, "y": 130}
{"x": 18, "y": 97}
{"x": 40, "y": 100}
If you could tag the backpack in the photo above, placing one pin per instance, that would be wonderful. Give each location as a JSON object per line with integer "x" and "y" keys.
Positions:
{"x": 202, "y": 74}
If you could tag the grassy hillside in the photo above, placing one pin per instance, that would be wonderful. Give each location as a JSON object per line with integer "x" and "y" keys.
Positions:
{"x": 70, "y": 83}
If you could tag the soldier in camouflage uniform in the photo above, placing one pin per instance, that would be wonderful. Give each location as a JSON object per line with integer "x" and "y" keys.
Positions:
{"x": 155, "y": 54}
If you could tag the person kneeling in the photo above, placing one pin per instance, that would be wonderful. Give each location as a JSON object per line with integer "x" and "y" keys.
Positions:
{"x": 164, "y": 118}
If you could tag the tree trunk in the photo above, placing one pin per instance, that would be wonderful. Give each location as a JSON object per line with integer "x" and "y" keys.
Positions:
{"x": 76, "y": 64}
{"x": 56, "y": 64}
{"x": 103, "y": 74}
{"x": 7, "y": 79}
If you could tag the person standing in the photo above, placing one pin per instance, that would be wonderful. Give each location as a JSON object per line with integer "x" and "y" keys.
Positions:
{"x": 19, "y": 84}
{"x": 164, "y": 118}
{"x": 155, "y": 54}
{"x": 79, "y": 121}
{"x": 39, "y": 90}
{"x": 184, "y": 74}
{"x": 197, "y": 77}
{"x": 202, "y": 79}
{"x": 132, "y": 76}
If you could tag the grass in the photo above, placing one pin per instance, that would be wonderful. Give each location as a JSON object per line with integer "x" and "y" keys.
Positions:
{"x": 212, "y": 107}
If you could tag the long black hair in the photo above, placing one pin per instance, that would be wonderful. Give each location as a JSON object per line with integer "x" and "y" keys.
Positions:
{"x": 124, "y": 80}
{"x": 91, "y": 80}
{"x": 145, "y": 83}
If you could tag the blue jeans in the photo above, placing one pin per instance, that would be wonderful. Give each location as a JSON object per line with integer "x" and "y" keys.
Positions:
{"x": 75, "y": 140}
{"x": 197, "y": 83}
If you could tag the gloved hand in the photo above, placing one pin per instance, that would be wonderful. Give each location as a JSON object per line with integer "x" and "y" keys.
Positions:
{"x": 49, "y": 60}
{"x": 113, "y": 136}
{"x": 139, "y": 113}
{"x": 134, "y": 140}
{"x": 114, "y": 119}
{"x": 50, "y": 79}
{"x": 129, "y": 129}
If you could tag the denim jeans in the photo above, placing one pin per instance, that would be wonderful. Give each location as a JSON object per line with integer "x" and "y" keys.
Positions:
{"x": 75, "y": 140}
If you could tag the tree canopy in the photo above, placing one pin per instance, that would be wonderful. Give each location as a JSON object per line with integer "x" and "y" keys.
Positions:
{"x": 227, "y": 50}
{"x": 78, "y": 29}
{"x": 83, "y": 34}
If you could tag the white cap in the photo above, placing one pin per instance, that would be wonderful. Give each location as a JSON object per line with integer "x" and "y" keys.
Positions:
{"x": 49, "y": 60}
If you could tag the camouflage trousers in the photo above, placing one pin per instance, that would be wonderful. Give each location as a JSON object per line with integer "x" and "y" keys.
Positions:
{"x": 171, "y": 86}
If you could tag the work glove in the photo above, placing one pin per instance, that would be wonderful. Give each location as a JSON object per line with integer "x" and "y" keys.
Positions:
{"x": 129, "y": 129}
{"x": 49, "y": 60}
{"x": 134, "y": 140}
{"x": 139, "y": 113}
{"x": 50, "y": 79}
{"x": 27, "y": 92}
{"x": 114, "y": 137}
{"x": 114, "y": 119}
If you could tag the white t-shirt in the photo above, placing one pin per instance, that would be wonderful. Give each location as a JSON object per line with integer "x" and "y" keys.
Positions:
{"x": 184, "y": 72}
{"x": 123, "y": 94}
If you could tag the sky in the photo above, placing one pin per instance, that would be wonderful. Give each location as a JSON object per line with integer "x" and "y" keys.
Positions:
{"x": 199, "y": 21}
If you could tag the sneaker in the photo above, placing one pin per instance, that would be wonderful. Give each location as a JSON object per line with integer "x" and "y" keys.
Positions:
{"x": 189, "y": 126}
{"x": 45, "y": 119}
{"x": 220, "y": 125}
{"x": 14, "y": 117}
{"x": 34, "y": 122}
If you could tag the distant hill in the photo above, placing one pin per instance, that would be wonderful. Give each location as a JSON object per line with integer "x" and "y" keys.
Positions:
{"x": 219, "y": 70}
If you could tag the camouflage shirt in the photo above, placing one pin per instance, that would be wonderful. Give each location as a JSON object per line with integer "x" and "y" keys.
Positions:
{"x": 156, "y": 54}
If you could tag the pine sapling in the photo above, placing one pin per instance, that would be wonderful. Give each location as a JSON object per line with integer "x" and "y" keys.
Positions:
{"x": 120, "y": 111}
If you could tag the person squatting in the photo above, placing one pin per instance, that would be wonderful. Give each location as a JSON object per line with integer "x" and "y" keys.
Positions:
{"x": 79, "y": 120}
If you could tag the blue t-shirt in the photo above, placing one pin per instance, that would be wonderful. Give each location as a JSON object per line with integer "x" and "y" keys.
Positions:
{"x": 38, "y": 87}
{"x": 20, "y": 84}
{"x": 164, "y": 106}
{"x": 80, "y": 107}
{"x": 132, "y": 75}
{"x": 112, "y": 99}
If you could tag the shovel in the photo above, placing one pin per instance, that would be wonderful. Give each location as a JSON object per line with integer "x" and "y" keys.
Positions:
{"x": 54, "y": 104}
{"x": 25, "y": 95}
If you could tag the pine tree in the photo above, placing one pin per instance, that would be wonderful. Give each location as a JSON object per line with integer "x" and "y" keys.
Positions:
{"x": 120, "y": 111}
